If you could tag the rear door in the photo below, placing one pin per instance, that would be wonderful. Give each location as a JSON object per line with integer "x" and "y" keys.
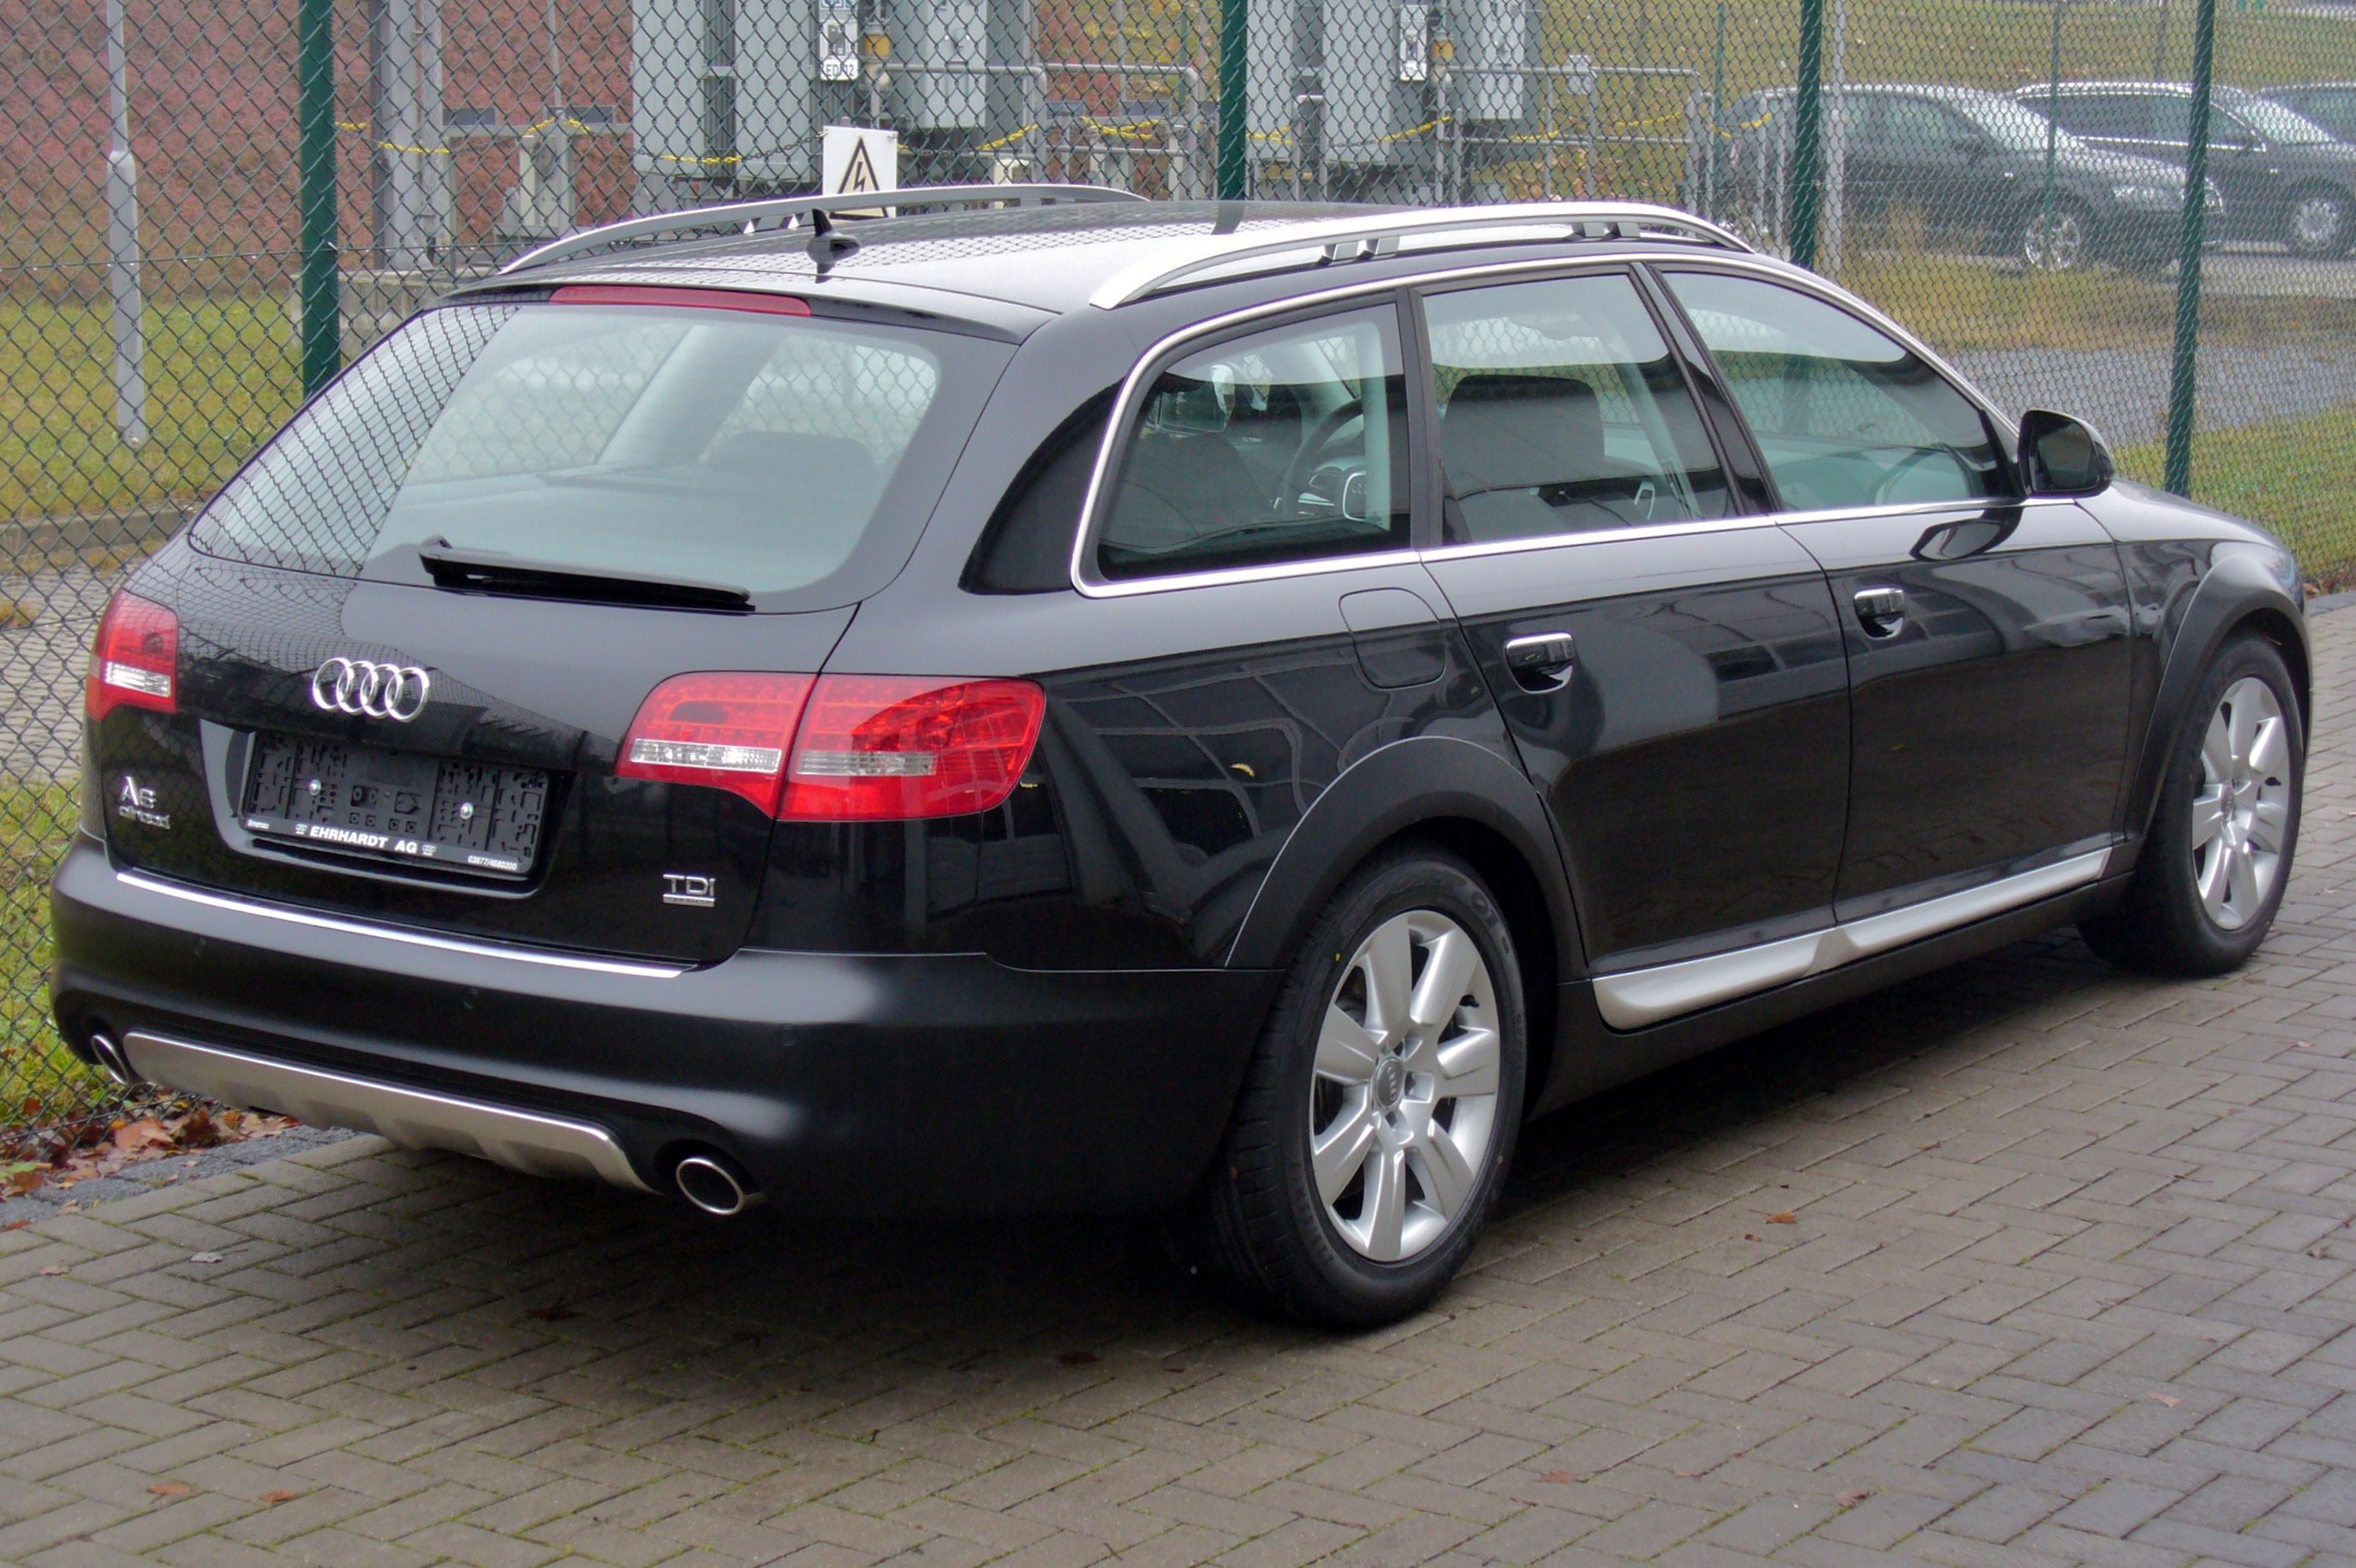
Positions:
{"x": 649, "y": 485}
{"x": 1987, "y": 637}
{"x": 1669, "y": 666}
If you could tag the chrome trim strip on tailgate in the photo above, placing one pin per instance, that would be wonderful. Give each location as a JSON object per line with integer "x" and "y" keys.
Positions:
{"x": 1636, "y": 997}
{"x": 259, "y": 911}
{"x": 522, "y": 1140}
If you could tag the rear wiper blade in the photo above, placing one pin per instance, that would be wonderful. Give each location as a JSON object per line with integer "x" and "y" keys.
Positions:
{"x": 488, "y": 572}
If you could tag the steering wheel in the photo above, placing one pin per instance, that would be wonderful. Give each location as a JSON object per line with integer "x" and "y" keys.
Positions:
{"x": 1296, "y": 472}
{"x": 1902, "y": 468}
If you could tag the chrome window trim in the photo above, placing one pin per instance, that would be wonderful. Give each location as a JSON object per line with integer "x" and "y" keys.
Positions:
{"x": 416, "y": 1118}
{"x": 256, "y": 909}
{"x": 1088, "y": 584}
{"x": 1637, "y": 998}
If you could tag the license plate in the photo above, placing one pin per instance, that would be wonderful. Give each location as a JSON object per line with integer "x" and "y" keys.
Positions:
{"x": 470, "y": 816}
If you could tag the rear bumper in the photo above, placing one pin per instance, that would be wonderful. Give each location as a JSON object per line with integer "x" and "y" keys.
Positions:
{"x": 844, "y": 1083}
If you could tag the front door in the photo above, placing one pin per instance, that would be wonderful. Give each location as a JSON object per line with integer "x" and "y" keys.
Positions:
{"x": 1986, "y": 635}
{"x": 1670, "y": 669}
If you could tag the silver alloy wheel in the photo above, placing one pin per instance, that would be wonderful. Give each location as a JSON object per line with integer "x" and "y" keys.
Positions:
{"x": 2241, "y": 814}
{"x": 2054, "y": 242}
{"x": 1404, "y": 1102}
{"x": 2316, "y": 222}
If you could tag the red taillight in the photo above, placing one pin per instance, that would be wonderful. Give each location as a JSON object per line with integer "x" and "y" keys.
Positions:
{"x": 886, "y": 748}
{"x": 864, "y": 748}
{"x": 729, "y": 732}
{"x": 694, "y": 298}
{"x": 135, "y": 661}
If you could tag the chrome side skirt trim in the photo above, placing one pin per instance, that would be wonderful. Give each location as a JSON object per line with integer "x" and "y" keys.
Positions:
{"x": 281, "y": 912}
{"x": 1640, "y": 996}
{"x": 522, "y": 1140}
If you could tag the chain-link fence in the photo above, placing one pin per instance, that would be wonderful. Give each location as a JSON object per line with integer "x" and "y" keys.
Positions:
{"x": 211, "y": 204}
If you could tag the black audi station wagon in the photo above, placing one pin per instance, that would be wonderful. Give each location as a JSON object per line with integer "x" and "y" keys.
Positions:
{"x": 1047, "y": 701}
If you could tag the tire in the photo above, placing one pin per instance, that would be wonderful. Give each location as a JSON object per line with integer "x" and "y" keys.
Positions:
{"x": 2225, "y": 829}
{"x": 2319, "y": 222}
{"x": 2062, "y": 241}
{"x": 1423, "y": 1112}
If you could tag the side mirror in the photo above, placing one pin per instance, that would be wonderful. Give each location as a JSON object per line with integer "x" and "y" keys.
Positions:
{"x": 2062, "y": 456}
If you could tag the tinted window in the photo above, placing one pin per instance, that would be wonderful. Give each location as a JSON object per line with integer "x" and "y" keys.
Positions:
{"x": 2333, "y": 108}
{"x": 1288, "y": 444}
{"x": 1845, "y": 415}
{"x": 2105, "y": 114}
{"x": 1561, "y": 411}
{"x": 1913, "y": 125}
{"x": 725, "y": 445}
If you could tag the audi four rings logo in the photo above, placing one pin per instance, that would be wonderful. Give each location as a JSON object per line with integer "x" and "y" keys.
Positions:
{"x": 377, "y": 690}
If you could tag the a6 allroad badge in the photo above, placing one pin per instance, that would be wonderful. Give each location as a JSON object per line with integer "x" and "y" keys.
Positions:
{"x": 136, "y": 802}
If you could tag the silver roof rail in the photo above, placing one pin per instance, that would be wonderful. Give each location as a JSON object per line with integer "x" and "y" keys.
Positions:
{"x": 747, "y": 217}
{"x": 1330, "y": 241}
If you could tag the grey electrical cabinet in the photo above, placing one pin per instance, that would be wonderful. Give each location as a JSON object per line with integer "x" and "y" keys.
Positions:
{"x": 1378, "y": 71}
{"x": 1496, "y": 48}
{"x": 958, "y": 65}
{"x": 723, "y": 87}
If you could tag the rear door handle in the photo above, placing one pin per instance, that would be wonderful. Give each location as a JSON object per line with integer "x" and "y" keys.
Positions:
{"x": 1542, "y": 661}
{"x": 1880, "y": 611}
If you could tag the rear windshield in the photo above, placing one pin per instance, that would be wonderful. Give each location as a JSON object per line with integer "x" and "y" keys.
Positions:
{"x": 791, "y": 456}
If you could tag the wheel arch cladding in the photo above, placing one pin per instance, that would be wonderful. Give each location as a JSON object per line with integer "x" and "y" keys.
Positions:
{"x": 1455, "y": 795}
{"x": 2241, "y": 593}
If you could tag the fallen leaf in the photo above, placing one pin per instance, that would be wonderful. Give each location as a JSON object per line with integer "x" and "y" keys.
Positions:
{"x": 1851, "y": 1498}
{"x": 15, "y": 1225}
{"x": 196, "y": 1130}
{"x": 280, "y": 1497}
{"x": 2319, "y": 1251}
{"x": 204, "y": 1257}
{"x": 2306, "y": 1045}
{"x": 1686, "y": 1475}
{"x": 556, "y": 1313}
{"x": 51, "y": 1269}
{"x": 1174, "y": 1366}
{"x": 2168, "y": 1399}
{"x": 1078, "y": 1358}
{"x": 1783, "y": 1219}
{"x": 171, "y": 1488}
{"x": 145, "y": 1132}
{"x": 1560, "y": 1477}
{"x": 1749, "y": 1237}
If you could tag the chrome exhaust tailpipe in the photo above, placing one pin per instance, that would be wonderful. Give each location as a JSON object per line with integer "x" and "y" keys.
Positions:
{"x": 710, "y": 1182}
{"x": 110, "y": 1057}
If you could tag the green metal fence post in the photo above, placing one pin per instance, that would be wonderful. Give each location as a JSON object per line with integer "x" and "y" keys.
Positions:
{"x": 1807, "y": 113}
{"x": 1234, "y": 48}
{"x": 2188, "y": 270}
{"x": 2052, "y": 138}
{"x": 314, "y": 73}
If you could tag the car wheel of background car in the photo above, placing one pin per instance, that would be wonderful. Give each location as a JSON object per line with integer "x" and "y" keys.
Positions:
{"x": 1375, "y": 1126}
{"x": 2056, "y": 241}
{"x": 2321, "y": 223}
{"x": 2213, "y": 870}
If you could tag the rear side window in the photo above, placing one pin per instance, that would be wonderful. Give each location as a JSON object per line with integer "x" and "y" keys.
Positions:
{"x": 2102, "y": 114}
{"x": 753, "y": 449}
{"x": 1288, "y": 444}
{"x": 1845, "y": 414}
{"x": 1561, "y": 411}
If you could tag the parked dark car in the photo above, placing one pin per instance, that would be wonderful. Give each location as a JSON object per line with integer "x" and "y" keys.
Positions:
{"x": 1971, "y": 166}
{"x": 2281, "y": 176}
{"x": 2330, "y": 104}
{"x": 1222, "y": 710}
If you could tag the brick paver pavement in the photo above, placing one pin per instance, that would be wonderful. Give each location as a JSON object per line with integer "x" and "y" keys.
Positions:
{"x": 2029, "y": 1262}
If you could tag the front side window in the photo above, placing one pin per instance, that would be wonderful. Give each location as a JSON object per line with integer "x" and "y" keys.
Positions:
{"x": 1561, "y": 411}
{"x": 1844, "y": 414}
{"x": 1288, "y": 444}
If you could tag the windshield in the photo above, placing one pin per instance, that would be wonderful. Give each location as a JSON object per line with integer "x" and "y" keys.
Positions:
{"x": 734, "y": 446}
{"x": 2016, "y": 127}
{"x": 2284, "y": 127}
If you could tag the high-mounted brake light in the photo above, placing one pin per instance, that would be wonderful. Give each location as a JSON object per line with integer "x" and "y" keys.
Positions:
{"x": 731, "y": 731}
{"x": 135, "y": 659}
{"x": 888, "y": 748}
{"x": 693, "y": 298}
{"x": 862, "y": 747}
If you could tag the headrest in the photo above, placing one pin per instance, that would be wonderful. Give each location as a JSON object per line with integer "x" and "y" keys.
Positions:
{"x": 1510, "y": 429}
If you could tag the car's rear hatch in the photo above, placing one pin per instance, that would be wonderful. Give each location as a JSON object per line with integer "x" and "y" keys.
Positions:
{"x": 412, "y": 634}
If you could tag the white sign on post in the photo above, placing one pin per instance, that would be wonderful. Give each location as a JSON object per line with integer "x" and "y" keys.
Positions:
{"x": 853, "y": 158}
